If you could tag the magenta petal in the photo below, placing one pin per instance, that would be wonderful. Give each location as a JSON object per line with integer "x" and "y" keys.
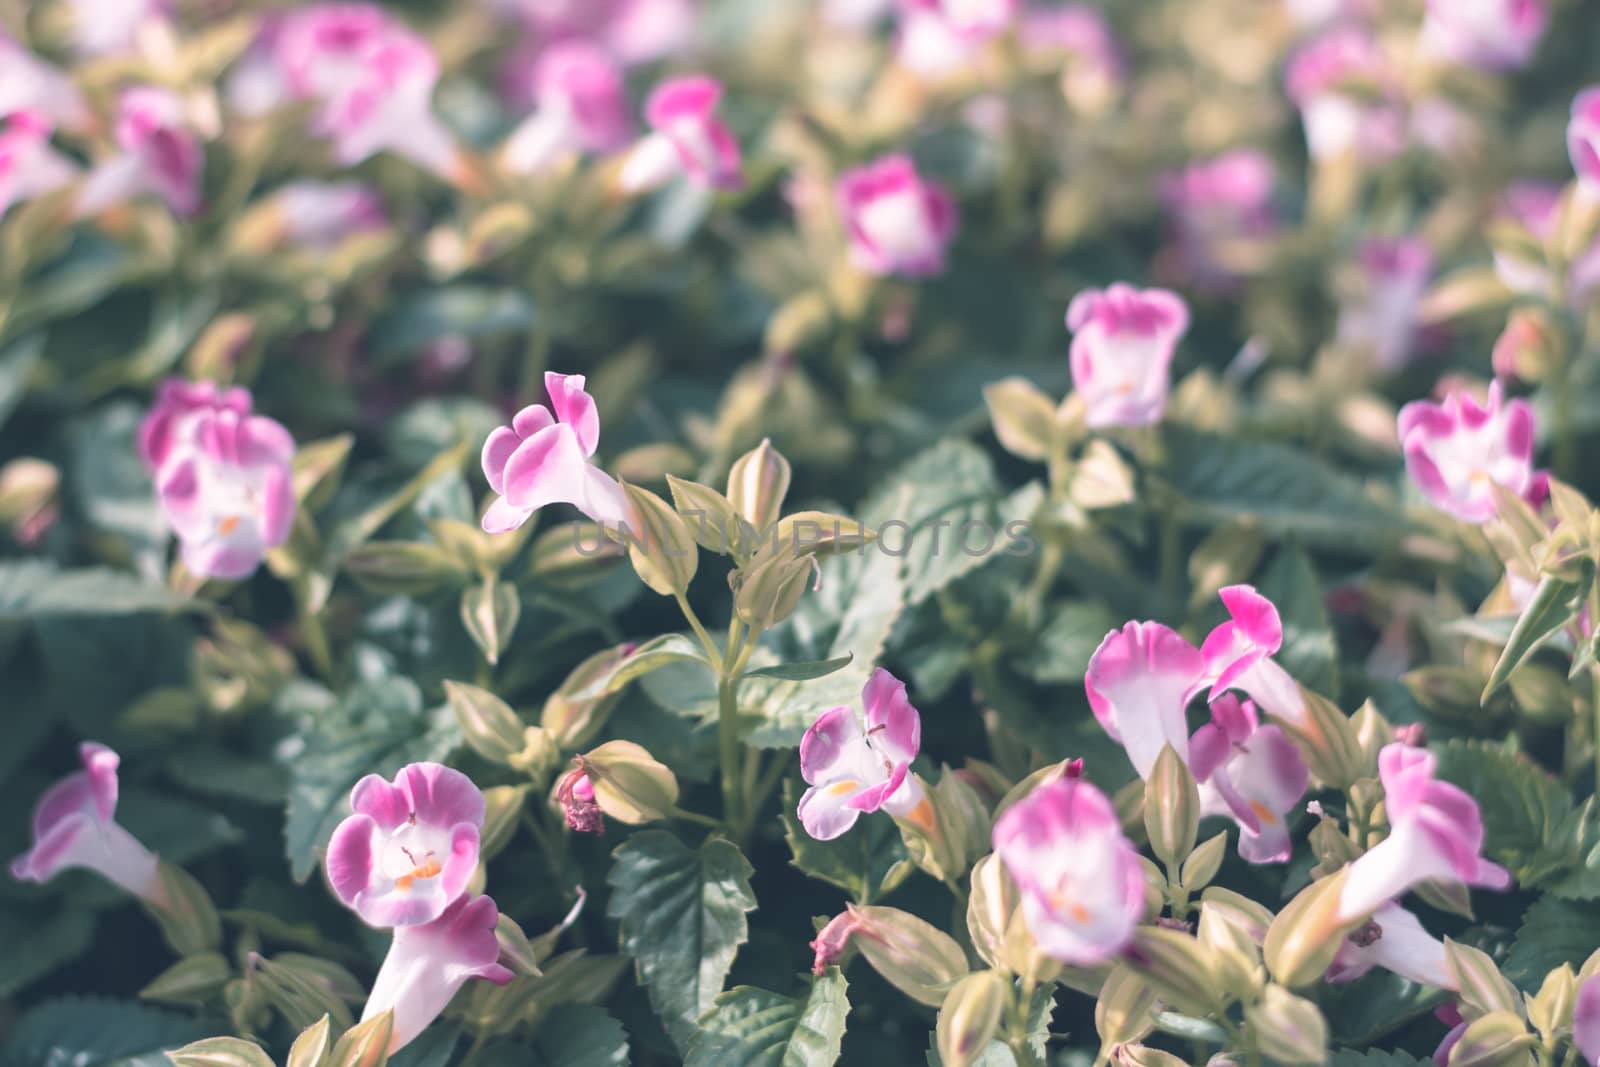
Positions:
{"x": 388, "y": 806}
{"x": 349, "y": 860}
{"x": 872, "y": 797}
{"x": 1256, "y": 615}
{"x": 221, "y": 559}
{"x": 531, "y": 419}
{"x": 827, "y": 742}
{"x": 547, "y": 468}
{"x": 502, "y": 441}
{"x": 1586, "y": 1019}
{"x": 575, "y": 407}
{"x": 440, "y": 795}
{"x": 894, "y": 724}
{"x": 501, "y": 517}
{"x": 277, "y": 506}
{"x": 693, "y": 96}
{"x": 463, "y": 861}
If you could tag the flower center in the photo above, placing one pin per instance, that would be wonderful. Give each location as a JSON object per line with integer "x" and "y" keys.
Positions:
{"x": 1267, "y": 816}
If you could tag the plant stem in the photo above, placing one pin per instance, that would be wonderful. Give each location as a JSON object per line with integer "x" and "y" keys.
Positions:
{"x": 1171, "y": 561}
{"x": 710, "y": 646}
{"x": 728, "y": 747}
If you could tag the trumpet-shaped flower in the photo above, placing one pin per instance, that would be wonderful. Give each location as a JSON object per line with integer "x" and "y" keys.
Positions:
{"x": 687, "y": 138}
{"x": 1586, "y": 1021}
{"x": 1583, "y": 138}
{"x": 1239, "y": 653}
{"x": 428, "y": 964}
{"x": 1343, "y": 84}
{"x": 543, "y": 458}
{"x": 581, "y": 108}
{"x": 228, "y": 492}
{"x": 28, "y": 83}
{"x": 158, "y": 154}
{"x": 409, "y": 848}
{"x": 29, "y": 166}
{"x": 1458, "y": 450}
{"x": 634, "y": 31}
{"x": 1394, "y": 940}
{"x": 320, "y": 215}
{"x": 852, "y": 769}
{"x": 898, "y": 222}
{"x": 1139, "y": 681}
{"x": 181, "y": 406}
{"x": 1250, "y": 773}
{"x": 1122, "y": 347}
{"x": 1491, "y": 34}
{"x": 1435, "y": 834}
{"x": 1381, "y": 319}
{"x": 1079, "y": 878}
{"x": 74, "y": 825}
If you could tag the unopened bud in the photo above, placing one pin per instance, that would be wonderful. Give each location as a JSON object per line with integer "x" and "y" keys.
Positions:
{"x": 1178, "y": 967}
{"x": 516, "y": 951}
{"x": 660, "y": 545}
{"x": 1171, "y": 808}
{"x": 575, "y": 795}
{"x": 628, "y": 783}
{"x": 1303, "y": 940}
{"x": 758, "y": 482}
{"x": 491, "y": 729}
{"x": 1125, "y": 1010}
{"x": 28, "y": 487}
{"x": 1528, "y": 348}
{"x": 771, "y": 590}
{"x": 918, "y": 959}
{"x": 948, "y": 830}
{"x": 831, "y": 942}
{"x": 1023, "y": 417}
{"x": 572, "y": 719}
{"x": 1286, "y": 1028}
{"x": 970, "y": 1016}
{"x": 1482, "y": 988}
{"x": 1550, "y": 1010}
{"x": 366, "y": 1044}
{"x": 1499, "y": 1039}
{"x": 1328, "y": 741}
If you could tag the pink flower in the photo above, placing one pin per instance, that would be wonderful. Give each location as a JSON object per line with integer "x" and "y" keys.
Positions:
{"x": 582, "y": 107}
{"x": 28, "y": 83}
{"x": 1238, "y": 655}
{"x": 1435, "y": 833}
{"x": 832, "y": 940}
{"x": 112, "y": 27}
{"x": 1079, "y": 878}
{"x": 370, "y": 77}
{"x": 322, "y": 215}
{"x": 1448, "y": 1013}
{"x": 74, "y": 825}
{"x": 1586, "y": 1021}
{"x": 1492, "y": 34}
{"x": 634, "y": 31}
{"x": 1314, "y": 13}
{"x": 687, "y": 139}
{"x": 1251, "y": 773}
{"x": 1333, "y": 80}
{"x": 1382, "y": 319}
{"x": 1394, "y": 940}
{"x": 159, "y": 154}
{"x": 428, "y": 964}
{"x": 898, "y": 222}
{"x": 1077, "y": 38}
{"x": 1534, "y": 207}
{"x": 851, "y": 770}
{"x": 1216, "y": 203}
{"x": 544, "y": 459}
{"x": 1122, "y": 349}
{"x": 1139, "y": 682}
{"x": 409, "y": 848}
{"x": 228, "y": 492}
{"x": 1583, "y": 138}
{"x": 1455, "y": 451}
{"x": 29, "y": 166}
{"x": 173, "y": 423}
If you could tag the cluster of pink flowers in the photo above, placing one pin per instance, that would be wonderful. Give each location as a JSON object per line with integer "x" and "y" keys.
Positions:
{"x": 402, "y": 860}
{"x": 223, "y": 475}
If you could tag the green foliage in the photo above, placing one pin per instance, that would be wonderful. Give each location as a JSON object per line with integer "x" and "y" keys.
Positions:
{"x": 1553, "y": 932}
{"x": 97, "y": 1032}
{"x": 864, "y": 863}
{"x": 748, "y": 1027}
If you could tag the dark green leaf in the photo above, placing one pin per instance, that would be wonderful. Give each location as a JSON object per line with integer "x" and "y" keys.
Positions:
{"x": 17, "y": 361}
{"x": 1523, "y": 806}
{"x": 1553, "y": 605}
{"x": 751, "y": 1027}
{"x": 1553, "y": 932}
{"x": 1349, "y": 1057}
{"x": 857, "y": 862}
{"x": 34, "y": 589}
{"x": 1069, "y": 638}
{"x": 36, "y": 945}
{"x": 581, "y": 1035}
{"x": 803, "y": 672}
{"x": 97, "y": 1032}
{"x": 1309, "y": 652}
{"x": 464, "y": 310}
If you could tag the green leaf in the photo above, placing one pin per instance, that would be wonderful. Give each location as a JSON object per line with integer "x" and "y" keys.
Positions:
{"x": 1554, "y": 603}
{"x": 432, "y": 1048}
{"x": 220, "y": 1052}
{"x": 1288, "y": 492}
{"x": 682, "y": 916}
{"x": 1365, "y": 1010}
{"x": 1309, "y": 651}
{"x": 859, "y": 862}
{"x": 581, "y": 1035}
{"x": 17, "y": 361}
{"x": 1061, "y": 653}
{"x": 377, "y": 728}
{"x": 89, "y": 270}
{"x": 1349, "y": 1057}
{"x": 1553, "y": 932}
{"x": 463, "y": 310}
{"x": 34, "y": 589}
{"x": 751, "y": 1027}
{"x": 36, "y": 945}
{"x": 489, "y": 611}
{"x": 97, "y": 1032}
{"x": 651, "y": 656}
{"x": 1572, "y": 859}
{"x": 803, "y": 672}
{"x": 1523, "y": 806}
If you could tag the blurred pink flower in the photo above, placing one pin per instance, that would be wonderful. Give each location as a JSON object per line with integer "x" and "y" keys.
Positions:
{"x": 1216, "y": 203}
{"x": 29, "y": 166}
{"x": 1250, "y": 773}
{"x": 1586, "y": 1021}
{"x": 582, "y": 107}
{"x": 1079, "y": 878}
{"x": 406, "y": 853}
{"x": 898, "y": 222}
{"x": 851, "y": 770}
{"x": 1394, "y": 940}
{"x": 633, "y": 31}
{"x": 321, "y": 215}
{"x": 1492, "y": 34}
{"x": 687, "y": 139}
{"x": 1344, "y": 86}
{"x": 428, "y": 964}
{"x": 28, "y": 83}
{"x": 544, "y": 458}
{"x": 1078, "y": 39}
{"x": 158, "y": 154}
{"x": 832, "y": 940}
{"x": 110, "y": 27}
{"x": 1381, "y": 318}
{"x": 1312, "y": 14}
{"x": 1435, "y": 834}
{"x": 228, "y": 494}
{"x": 74, "y": 825}
{"x": 172, "y": 425}
{"x": 1455, "y": 451}
{"x": 1122, "y": 349}
{"x": 1534, "y": 206}
{"x": 1583, "y": 138}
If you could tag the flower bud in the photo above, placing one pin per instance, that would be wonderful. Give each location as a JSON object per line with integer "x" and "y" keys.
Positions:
{"x": 1144, "y": 1056}
{"x": 1550, "y": 1010}
{"x": 366, "y": 1044}
{"x": 1286, "y": 1028}
{"x": 970, "y": 1016}
{"x": 918, "y": 959}
{"x": 770, "y": 591}
{"x": 948, "y": 830}
{"x": 628, "y": 783}
{"x": 1499, "y": 1039}
{"x": 1023, "y": 417}
{"x": 1125, "y": 1010}
{"x": 831, "y": 942}
{"x": 191, "y": 981}
{"x": 575, "y": 796}
{"x": 573, "y": 720}
{"x": 1178, "y": 967}
{"x": 1306, "y": 935}
{"x": 660, "y": 544}
{"x": 402, "y": 568}
{"x": 303, "y": 989}
{"x": 183, "y": 908}
{"x": 1171, "y": 808}
{"x": 1232, "y": 923}
{"x": 311, "y": 1048}
{"x": 490, "y": 610}
{"x": 1329, "y": 743}
{"x": 997, "y": 927}
{"x": 516, "y": 952}
{"x": 710, "y": 517}
{"x": 1529, "y": 347}
{"x": 758, "y": 482}
{"x": 1204, "y": 863}
{"x": 491, "y": 729}
{"x": 1483, "y": 989}
{"x": 28, "y": 489}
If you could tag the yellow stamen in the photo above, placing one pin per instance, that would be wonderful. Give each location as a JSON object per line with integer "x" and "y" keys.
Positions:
{"x": 426, "y": 870}
{"x": 839, "y": 789}
{"x": 228, "y": 525}
{"x": 1078, "y": 912}
{"x": 922, "y": 815}
{"x": 1264, "y": 813}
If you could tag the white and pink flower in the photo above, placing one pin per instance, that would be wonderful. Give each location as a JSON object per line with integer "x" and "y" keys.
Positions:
{"x": 1490, "y": 34}
{"x": 634, "y": 31}
{"x": 1381, "y": 318}
{"x": 1435, "y": 834}
{"x": 322, "y": 215}
{"x": 899, "y": 223}
{"x": 1586, "y": 1021}
{"x": 1458, "y": 450}
{"x": 1139, "y": 682}
{"x": 687, "y": 139}
{"x": 114, "y": 27}
{"x": 1238, "y": 655}
{"x": 1215, "y": 205}
{"x": 172, "y": 424}
{"x": 1122, "y": 348}
{"x": 543, "y": 458}
{"x": 159, "y": 155}
{"x": 581, "y": 108}
{"x": 1583, "y": 139}
{"x": 225, "y": 486}
{"x": 28, "y": 83}
{"x": 1250, "y": 773}
{"x": 410, "y": 846}
{"x": 1394, "y": 940}
{"x": 853, "y": 769}
{"x": 1079, "y": 878}
{"x": 936, "y": 38}
{"x": 74, "y": 825}
{"x": 428, "y": 964}
{"x": 1344, "y": 86}
{"x": 29, "y": 166}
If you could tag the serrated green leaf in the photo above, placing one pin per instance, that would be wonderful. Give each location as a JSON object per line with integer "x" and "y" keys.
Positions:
{"x": 1523, "y": 806}
{"x": 858, "y": 862}
{"x": 33, "y": 589}
{"x": 682, "y": 916}
{"x": 1309, "y": 650}
{"x": 1573, "y": 857}
{"x": 582, "y": 1035}
{"x": 1060, "y": 655}
{"x": 749, "y": 1027}
{"x": 97, "y": 1032}
{"x": 376, "y": 729}
{"x": 1553, "y": 932}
